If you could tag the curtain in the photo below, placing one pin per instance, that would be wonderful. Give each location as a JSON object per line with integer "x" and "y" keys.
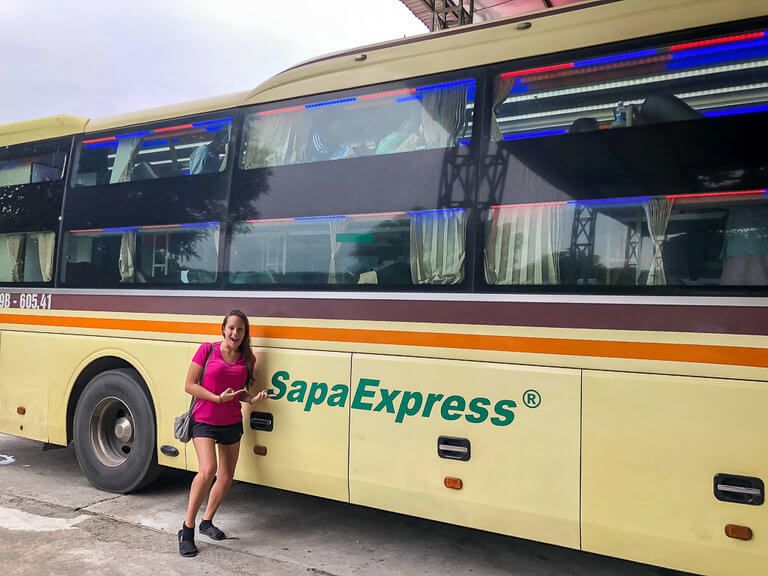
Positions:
{"x": 437, "y": 246}
{"x": 276, "y": 140}
{"x": 337, "y": 226}
{"x": 15, "y": 252}
{"x": 442, "y": 116}
{"x": 121, "y": 168}
{"x": 46, "y": 242}
{"x": 127, "y": 256}
{"x": 657, "y": 213}
{"x": 501, "y": 88}
{"x": 522, "y": 245}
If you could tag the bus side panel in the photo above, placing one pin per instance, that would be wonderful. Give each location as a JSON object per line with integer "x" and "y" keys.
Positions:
{"x": 25, "y": 378}
{"x": 651, "y": 448}
{"x": 522, "y": 477}
{"x": 307, "y": 449}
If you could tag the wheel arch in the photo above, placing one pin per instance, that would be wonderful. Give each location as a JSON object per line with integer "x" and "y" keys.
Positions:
{"x": 92, "y": 366}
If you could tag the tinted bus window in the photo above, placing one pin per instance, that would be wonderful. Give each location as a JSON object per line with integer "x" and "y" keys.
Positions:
{"x": 196, "y": 147}
{"x": 385, "y": 250}
{"x": 27, "y": 257}
{"x": 177, "y": 254}
{"x": 638, "y": 168}
{"x": 425, "y": 117}
{"x": 32, "y": 163}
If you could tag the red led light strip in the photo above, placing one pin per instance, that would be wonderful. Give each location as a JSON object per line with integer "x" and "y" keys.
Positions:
{"x": 713, "y": 41}
{"x": 529, "y": 71}
{"x": 172, "y": 128}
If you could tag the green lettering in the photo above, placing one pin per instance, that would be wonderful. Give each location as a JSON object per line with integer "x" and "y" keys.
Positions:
{"x": 387, "y": 400}
{"x": 503, "y": 409}
{"x": 339, "y": 396}
{"x": 429, "y": 404}
{"x": 280, "y": 386}
{"x": 410, "y": 405}
{"x": 317, "y": 393}
{"x": 479, "y": 408}
{"x": 362, "y": 393}
{"x": 453, "y": 407}
{"x": 298, "y": 390}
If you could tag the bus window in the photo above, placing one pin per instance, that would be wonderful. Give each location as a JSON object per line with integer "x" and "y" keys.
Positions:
{"x": 343, "y": 126}
{"x": 165, "y": 255}
{"x": 30, "y": 164}
{"x": 196, "y": 147}
{"x": 388, "y": 250}
{"x": 27, "y": 257}
{"x": 637, "y": 168}
{"x": 711, "y": 78}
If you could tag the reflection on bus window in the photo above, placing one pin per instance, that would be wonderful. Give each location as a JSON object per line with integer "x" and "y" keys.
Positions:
{"x": 404, "y": 120}
{"x": 391, "y": 250}
{"x": 30, "y": 164}
{"x": 27, "y": 257}
{"x": 169, "y": 255}
{"x": 146, "y": 154}
{"x": 710, "y": 78}
{"x": 708, "y": 239}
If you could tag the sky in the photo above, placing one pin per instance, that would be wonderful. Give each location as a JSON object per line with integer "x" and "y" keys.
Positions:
{"x": 97, "y": 58}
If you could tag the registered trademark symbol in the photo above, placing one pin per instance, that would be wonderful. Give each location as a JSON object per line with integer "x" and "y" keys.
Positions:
{"x": 532, "y": 398}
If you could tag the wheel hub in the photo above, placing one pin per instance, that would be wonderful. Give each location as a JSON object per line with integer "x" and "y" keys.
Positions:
{"x": 123, "y": 430}
{"x": 111, "y": 432}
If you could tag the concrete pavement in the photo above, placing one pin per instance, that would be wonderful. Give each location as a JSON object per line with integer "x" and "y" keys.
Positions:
{"x": 52, "y": 521}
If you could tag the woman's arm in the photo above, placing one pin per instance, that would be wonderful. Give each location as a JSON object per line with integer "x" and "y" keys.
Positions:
{"x": 192, "y": 385}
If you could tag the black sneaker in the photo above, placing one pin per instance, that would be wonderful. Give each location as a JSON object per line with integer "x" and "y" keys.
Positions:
{"x": 187, "y": 548}
{"x": 211, "y": 531}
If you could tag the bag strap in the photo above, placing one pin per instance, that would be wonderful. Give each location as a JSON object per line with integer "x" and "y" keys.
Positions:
{"x": 205, "y": 365}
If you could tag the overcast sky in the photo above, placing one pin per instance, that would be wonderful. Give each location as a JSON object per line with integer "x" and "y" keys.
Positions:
{"x": 96, "y": 58}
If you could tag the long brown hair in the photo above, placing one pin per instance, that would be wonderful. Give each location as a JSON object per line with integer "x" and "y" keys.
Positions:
{"x": 245, "y": 345}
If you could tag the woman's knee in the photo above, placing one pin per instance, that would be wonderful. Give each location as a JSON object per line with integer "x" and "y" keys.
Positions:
{"x": 207, "y": 472}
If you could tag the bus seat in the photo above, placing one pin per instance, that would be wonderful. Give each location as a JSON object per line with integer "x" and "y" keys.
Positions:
{"x": 661, "y": 107}
{"x": 143, "y": 171}
{"x": 586, "y": 124}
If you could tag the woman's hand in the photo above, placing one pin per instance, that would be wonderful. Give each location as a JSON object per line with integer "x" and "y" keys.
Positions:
{"x": 259, "y": 397}
{"x": 228, "y": 395}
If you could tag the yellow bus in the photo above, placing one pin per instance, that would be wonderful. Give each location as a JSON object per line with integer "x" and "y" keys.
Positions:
{"x": 511, "y": 277}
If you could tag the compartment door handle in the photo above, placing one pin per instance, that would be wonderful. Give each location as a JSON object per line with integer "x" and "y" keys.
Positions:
{"x": 739, "y": 489}
{"x": 452, "y": 448}
{"x": 263, "y": 421}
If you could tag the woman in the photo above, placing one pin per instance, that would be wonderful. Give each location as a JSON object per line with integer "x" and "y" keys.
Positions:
{"x": 220, "y": 377}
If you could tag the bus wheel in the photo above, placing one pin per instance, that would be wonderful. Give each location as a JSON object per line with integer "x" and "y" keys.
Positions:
{"x": 114, "y": 431}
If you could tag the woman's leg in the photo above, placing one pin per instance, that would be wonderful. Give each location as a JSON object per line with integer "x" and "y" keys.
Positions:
{"x": 227, "y": 461}
{"x": 201, "y": 485}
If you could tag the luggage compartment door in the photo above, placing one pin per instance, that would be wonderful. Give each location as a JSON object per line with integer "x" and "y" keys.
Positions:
{"x": 510, "y": 434}
{"x": 668, "y": 462}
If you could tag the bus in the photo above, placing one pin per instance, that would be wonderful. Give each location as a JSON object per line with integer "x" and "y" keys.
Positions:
{"x": 511, "y": 277}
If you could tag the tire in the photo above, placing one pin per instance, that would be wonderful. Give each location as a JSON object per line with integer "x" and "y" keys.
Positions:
{"x": 115, "y": 431}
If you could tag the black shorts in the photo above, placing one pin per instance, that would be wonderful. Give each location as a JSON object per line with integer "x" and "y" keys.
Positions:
{"x": 223, "y": 435}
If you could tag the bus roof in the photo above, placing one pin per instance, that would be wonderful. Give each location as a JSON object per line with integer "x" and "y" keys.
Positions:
{"x": 41, "y": 129}
{"x": 570, "y": 27}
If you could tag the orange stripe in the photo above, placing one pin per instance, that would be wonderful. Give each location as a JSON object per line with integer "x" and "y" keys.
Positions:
{"x": 705, "y": 354}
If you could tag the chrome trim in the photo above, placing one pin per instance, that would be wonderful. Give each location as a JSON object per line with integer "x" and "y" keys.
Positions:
{"x": 738, "y": 489}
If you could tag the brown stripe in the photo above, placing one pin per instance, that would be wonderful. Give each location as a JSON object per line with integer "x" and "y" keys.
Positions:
{"x": 654, "y": 318}
{"x": 727, "y": 355}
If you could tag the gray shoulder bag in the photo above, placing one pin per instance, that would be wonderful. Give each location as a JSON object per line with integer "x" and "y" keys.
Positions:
{"x": 182, "y": 424}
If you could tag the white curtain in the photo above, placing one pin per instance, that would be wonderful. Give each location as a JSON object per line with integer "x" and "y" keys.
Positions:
{"x": 127, "y": 256}
{"x": 46, "y": 242}
{"x": 121, "y": 168}
{"x": 437, "y": 246}
{"x": 337, "y": 226}
{"x": 15, "y": 250}
{"x": 442, "y": 116}
{"x": 522, "y": 245}
{"x": 657, "y": 213}
{"x": 501, "y": 88}
{"x": 276, "y": 140}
